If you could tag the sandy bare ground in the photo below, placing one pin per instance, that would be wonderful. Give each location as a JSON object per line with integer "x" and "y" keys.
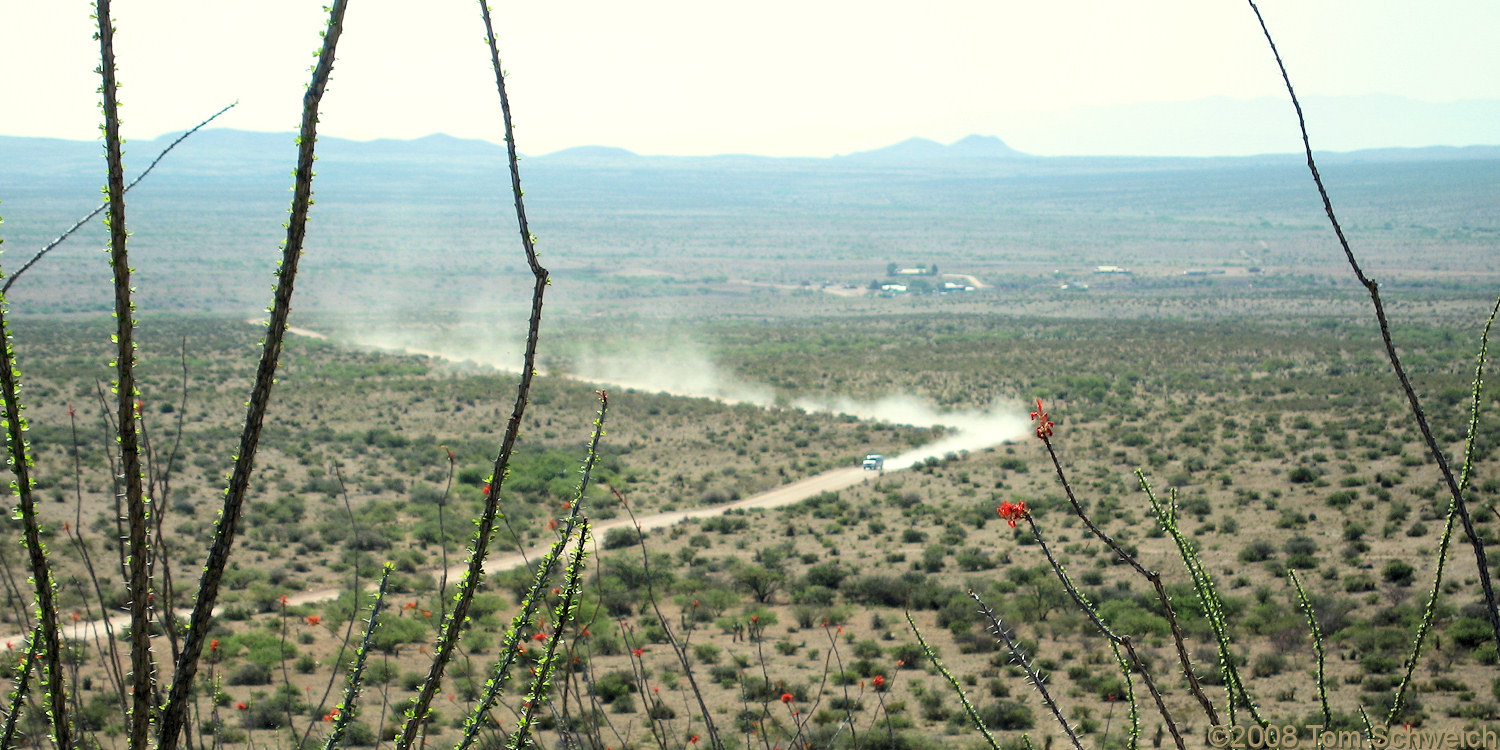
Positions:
{"x": 97, "y": 631}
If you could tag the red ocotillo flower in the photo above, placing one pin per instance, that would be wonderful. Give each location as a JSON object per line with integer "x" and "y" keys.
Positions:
{"x": 1013, "y": 512}
{"x": 1043, "y": 421}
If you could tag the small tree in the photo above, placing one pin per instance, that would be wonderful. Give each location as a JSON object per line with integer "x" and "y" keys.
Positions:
{"x": 761, "y": 582}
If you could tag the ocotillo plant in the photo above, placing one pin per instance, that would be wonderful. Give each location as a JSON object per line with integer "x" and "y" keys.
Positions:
{"x": 158, "y": 710}
{"x": 1237, "y": 696}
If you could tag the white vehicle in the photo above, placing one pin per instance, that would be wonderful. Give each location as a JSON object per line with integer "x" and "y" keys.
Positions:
{"x": 874, "y": 462}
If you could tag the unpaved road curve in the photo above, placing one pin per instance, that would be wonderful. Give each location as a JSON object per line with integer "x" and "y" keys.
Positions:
{"x": 801, "y": 490}
{"x": 831, "y": 481}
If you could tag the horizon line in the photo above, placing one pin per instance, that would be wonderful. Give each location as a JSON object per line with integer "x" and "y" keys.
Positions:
{"x": 625, "y": 152}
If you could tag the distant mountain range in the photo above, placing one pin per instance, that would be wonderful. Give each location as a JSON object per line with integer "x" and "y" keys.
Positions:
{"x": 912, "y": 151}
{"x": 225, "y": 152}
{"x": 917, "y": 150}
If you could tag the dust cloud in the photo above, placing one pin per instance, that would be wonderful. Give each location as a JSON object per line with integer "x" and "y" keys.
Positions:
{"x": 686, "y": 369}
{"x": 683, "y": 371}
{"x": 969, "y": 430}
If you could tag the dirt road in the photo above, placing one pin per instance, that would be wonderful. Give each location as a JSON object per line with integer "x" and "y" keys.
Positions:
{"x": 968, "y": 437}
{"x": 831, "y": 481}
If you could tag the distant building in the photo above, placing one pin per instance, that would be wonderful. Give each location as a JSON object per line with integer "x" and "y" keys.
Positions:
{"x": 893, "y": 288}
{"x": 1110, "y": 269}
{"x": 921, "y": 269}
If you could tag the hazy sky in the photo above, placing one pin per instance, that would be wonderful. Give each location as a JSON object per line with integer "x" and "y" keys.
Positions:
{"x": 779, "y": 77}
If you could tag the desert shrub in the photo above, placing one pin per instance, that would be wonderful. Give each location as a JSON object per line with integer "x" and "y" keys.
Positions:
{"x": 1301, "y": 552}
{"x": 660, "y": 711}
{"x": 359, "y": 734}
{"x": 624, "y": 704}
{"x": 1379, "y": 663}
{"x": 1257, "y": 551}
{"x": 972, "y": 558}
{"x": 908, "y": 655}
{"x": 717, "y": 496}
{"x": 1197, "y": 506}
{"x": 725, "y": 524}
{"x": 261, "y": 647}
{"x": 1398, "y": 511}
{"x": 485, "y": 605}
{"x": 881, "y": 590}
{"x": 1007, "y": 715}
{"x": 706, "y": 653}
{"x": 828, "y": 575}
{"x": 1399, "y": 572}
{"x": 1342, "y": 498}
{"x": 273, "y": 711}
{"x": 758, "y": 689}
{"x": 1470, "y": 632}
{"x": 612, "y": 685}
{"x": 395, "y": 632}
{"x": 814, "y": 595}
{"x": 285, "y": 509}
{"x": 619, "y": 538}
{"x": 371, "y": 538}
{"x": 760, "y": 581}
{"x": 1125, "y": 616}
{"x": 1267, "y": 665}
{"x": 99, "y": 713}
{"x": 934, "y": 558}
